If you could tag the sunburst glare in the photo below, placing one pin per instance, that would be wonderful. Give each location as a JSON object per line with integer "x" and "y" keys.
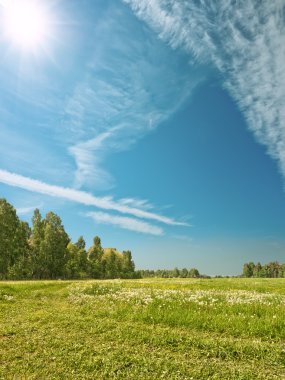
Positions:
{"x": 26, "y": 23}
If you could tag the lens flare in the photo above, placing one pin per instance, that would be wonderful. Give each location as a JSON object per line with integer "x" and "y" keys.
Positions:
{"x": 25, "y": 23}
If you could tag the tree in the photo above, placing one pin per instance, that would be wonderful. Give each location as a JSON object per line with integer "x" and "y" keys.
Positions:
{"x": 274, "y": 269}
{"x": 11, "y": 238}
{"x": 128, "y": 266}
{"x": 176, "y": 272}
{"x": 96, "y": 251}
{"x": 45, "y": 251}
{"x": 22, "y": 266}
{"x": 71, "y": 269}
{"x": 248, "y": 269}
{"x": 257, "y": 270}
{"x": 193, "y": 273}
{"x": 270, "y": 270}
{"x": 80, "y": 244}
{"x": 54, "y": 246}
{"x": 37, "y": 254}
{"x": 111, "y": 264}
{"x": 282, "y": 270}
{"x": 96, "y": 268}
{"x": 76, "y": 265}
{"x": 184, "y": 273}
{"x": 82, "y": 257}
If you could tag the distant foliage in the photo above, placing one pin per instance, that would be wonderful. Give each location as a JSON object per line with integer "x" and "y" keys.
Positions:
{"x": 270, "y": 270}
{"x": 172, "y": 273}
{"x": 45, "y": 251}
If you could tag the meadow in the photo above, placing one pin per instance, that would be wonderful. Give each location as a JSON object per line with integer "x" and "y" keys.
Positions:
{"x": 143, "y": 329}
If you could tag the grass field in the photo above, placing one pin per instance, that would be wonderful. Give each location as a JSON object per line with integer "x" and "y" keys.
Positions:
{"x": 143, "y": 329}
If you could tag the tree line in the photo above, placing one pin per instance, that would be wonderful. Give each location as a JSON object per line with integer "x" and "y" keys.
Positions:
{"x": 270, "y": 270}
{"x": 45, "y": 251}
{"x": 171, "y": 273}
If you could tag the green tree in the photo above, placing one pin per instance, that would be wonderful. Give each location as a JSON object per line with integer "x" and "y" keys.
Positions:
{"x": 54, "y": 246}
{"x": 112, "y": 265}
{"x": 37, "y": 255}
{"x": 80, "y": 244}
{"x": 128, "y": 266}
{"x": 193, "y": 273}
{"x": 96, "y": 251}
{"x": 96, "y": 267}
{"x": 71, "y": 269}
{"x": 248, "y": 269}
{"x": 282, "y": 270}
{"x": 11, "y": 237}
{"x": 257, "y": 270}
{"x": 274, "y": 269}
{"x": 176, "y": 272}
{"x": 45, "y": 251}
{"x": 22, "y": 266}
{"x": 184, "y": 273}
{"x": 77, "y": 264}
{"x": 82, "y": 256}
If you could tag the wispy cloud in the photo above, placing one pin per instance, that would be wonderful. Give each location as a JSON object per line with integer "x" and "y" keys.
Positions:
{"x": 26, "y": 210}
{"x": 125, "y": 93}
{"x": 89, "y": 161}
{"x": 135, "y": 202}
{"x": 126, "y": 223}
{"x": 245, "y": 41}
{"x": 106, "y": 203}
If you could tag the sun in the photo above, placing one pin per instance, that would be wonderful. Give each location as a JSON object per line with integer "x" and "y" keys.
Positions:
{"x": 25, "y": 23}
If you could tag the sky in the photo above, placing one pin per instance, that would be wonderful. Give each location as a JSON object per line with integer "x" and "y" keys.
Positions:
{"x": 157, "y": 125}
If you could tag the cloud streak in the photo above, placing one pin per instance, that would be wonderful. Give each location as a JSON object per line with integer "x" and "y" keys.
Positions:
{"x": 125, "y": 93}
{"x": 82, "y": 197}
{"x": 245, "y": 41}
{"x": 125, "y": 223}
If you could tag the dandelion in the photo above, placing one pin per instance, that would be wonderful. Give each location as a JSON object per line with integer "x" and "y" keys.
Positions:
{"x": 145, "y": 296}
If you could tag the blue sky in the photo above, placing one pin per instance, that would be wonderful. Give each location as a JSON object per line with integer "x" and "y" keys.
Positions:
{"x": 157, "y": 125}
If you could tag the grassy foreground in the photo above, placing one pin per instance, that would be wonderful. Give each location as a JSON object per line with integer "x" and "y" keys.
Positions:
{"x": 143, "y": 329}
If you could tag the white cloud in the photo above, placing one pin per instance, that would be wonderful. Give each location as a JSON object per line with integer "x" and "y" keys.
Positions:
{"x": 106, "y": 203}
{"x": 89, "y": 170}
{"x": 118, "y": 121}
{"x": 245, "y": 41}
{"x": 26, "y": 210}
{"x": 124, "y": 94}
{"x": 135, "y": 202}
{"x": 126, "y": 223}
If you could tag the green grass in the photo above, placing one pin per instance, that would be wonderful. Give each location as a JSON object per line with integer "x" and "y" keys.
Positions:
{"x": 143, "y": 329}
